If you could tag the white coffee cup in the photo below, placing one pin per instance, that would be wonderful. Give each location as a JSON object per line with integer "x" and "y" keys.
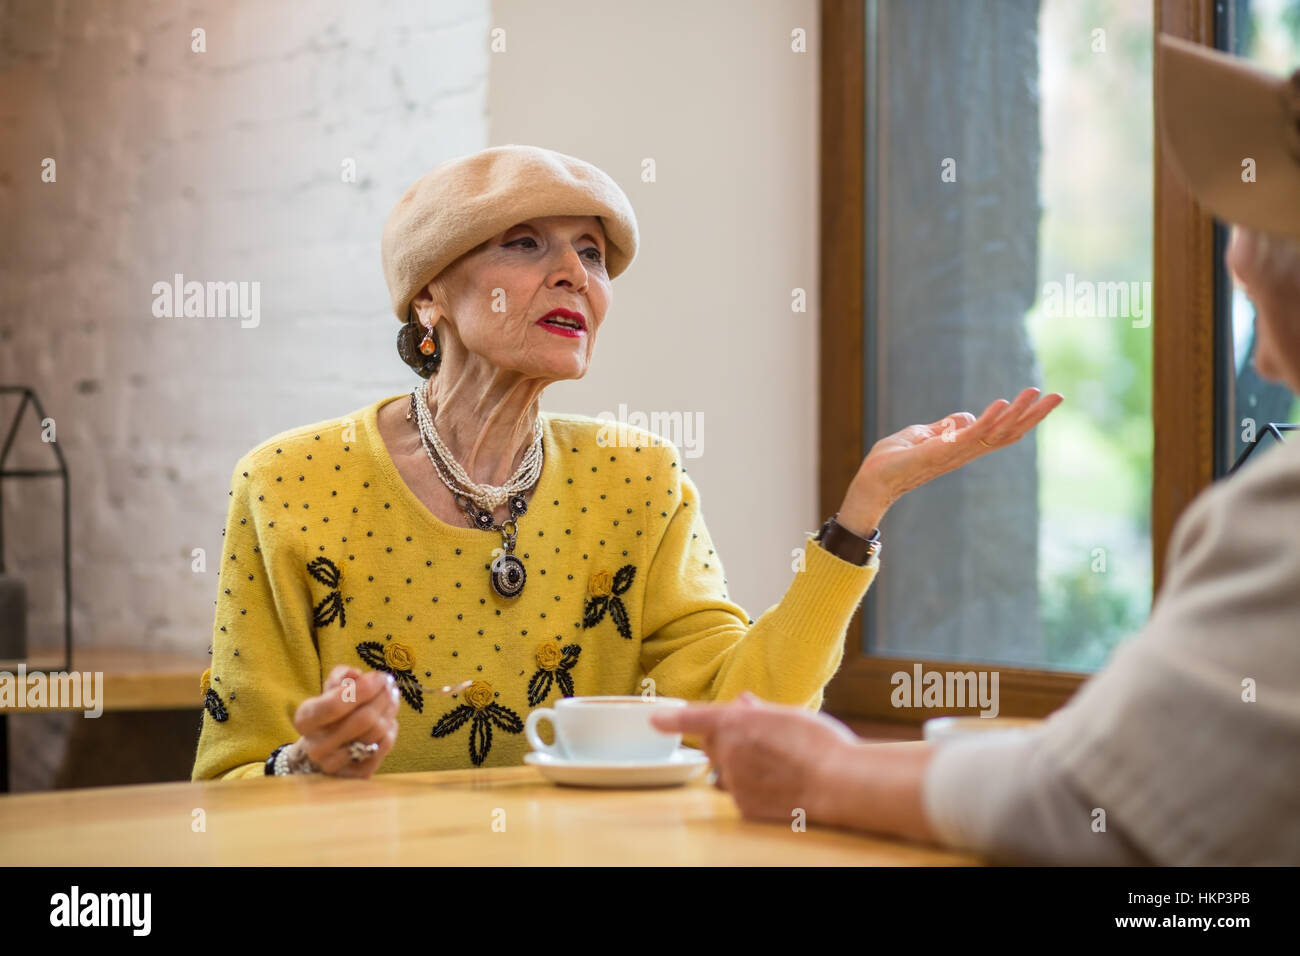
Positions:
{"x": 605, "y": 729}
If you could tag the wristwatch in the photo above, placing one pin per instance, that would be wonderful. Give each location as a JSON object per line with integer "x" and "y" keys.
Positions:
{"x": 843, "y": 543}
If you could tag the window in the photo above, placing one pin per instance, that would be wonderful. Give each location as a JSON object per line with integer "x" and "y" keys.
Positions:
{"x": 933, "y": 302}
{"x": 1008, "y": 242}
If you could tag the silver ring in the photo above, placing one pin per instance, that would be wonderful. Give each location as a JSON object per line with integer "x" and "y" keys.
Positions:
{"x": 357, "y": 751}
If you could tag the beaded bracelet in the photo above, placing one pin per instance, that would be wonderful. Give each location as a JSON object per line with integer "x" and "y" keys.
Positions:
{"x": 282, "y": 768}
{"x": 272, "y": 760}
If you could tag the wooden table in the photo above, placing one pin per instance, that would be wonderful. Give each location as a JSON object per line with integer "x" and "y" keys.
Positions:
{"x": 444, "y": 818}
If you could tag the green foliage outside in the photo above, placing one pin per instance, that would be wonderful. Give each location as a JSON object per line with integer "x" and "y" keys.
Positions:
{"x": 1095, "y": 451}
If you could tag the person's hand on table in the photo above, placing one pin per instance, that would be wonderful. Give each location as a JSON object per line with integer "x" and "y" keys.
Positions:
{"x": 776, "y": 759}
{"x": 329, "y": 722}
{"x": 771, "y": 758}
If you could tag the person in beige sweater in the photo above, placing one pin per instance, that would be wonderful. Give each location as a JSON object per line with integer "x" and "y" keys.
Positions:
{"x": 1187, "y": 743}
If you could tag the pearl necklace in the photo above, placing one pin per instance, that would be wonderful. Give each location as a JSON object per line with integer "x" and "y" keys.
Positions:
{"x": 507, "y": 573}
{"x": 487, "y": 497}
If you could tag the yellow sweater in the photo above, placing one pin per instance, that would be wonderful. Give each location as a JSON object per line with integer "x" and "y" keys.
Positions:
{"x": 329, "y": 558}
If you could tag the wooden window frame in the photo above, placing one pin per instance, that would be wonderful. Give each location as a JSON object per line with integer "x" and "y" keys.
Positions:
{"x": 1183, "y": 393}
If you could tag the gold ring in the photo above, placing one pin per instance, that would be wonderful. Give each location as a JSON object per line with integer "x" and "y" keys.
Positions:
{"x": 985, "y": 444}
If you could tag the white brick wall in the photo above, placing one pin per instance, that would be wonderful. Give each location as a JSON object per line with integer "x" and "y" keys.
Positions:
{"x": 222, "y": 166}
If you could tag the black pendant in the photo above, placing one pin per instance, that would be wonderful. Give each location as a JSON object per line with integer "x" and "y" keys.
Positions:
{"x": 508, "y": 575}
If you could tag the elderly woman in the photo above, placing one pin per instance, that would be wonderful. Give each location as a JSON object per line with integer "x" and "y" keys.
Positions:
{"x": 1185, "y": 748}
{"x": 401, "y": 585}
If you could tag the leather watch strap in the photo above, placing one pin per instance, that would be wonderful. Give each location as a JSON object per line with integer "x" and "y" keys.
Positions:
{"x": 843, "y": 543}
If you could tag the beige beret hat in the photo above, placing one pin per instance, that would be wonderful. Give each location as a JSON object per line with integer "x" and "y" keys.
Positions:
{"x": 1216, "y": 111}
{"x": 465, "y": 201}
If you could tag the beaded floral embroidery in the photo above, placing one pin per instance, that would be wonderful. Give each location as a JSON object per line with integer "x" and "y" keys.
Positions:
{"x": 327, "y": 573}
{"x": 553, "y": 665}
{"x": 395, "y": 658}
{"x": 603, "y": 594}
{"x": 212, "y": 701}
{"x": 483, "y": 713}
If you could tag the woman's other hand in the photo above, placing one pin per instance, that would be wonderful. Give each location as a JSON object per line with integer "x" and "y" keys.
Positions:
{"x": 911, "y": 457}
{"x": 351, "y": 706}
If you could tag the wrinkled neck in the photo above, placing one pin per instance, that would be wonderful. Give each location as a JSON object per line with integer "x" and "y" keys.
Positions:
{"x": 486, "y": 421}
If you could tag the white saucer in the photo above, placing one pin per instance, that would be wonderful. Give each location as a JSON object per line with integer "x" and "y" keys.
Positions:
{"x": 685, "y": 763}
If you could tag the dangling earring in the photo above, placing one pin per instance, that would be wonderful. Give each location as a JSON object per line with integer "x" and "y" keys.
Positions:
{"x": 429, "y": 344}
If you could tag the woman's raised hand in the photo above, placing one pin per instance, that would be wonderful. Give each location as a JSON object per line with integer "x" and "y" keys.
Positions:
{"x": 911, "y": 457}
{"x": 351, "y": 706}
